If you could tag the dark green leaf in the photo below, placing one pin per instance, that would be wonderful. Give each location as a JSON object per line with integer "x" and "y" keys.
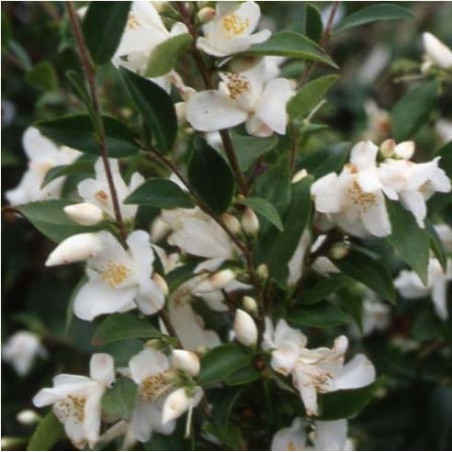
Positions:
{"x": 220, "y": 362}
{"x": 369, "y": 272}
{"x": 383, "y": 11}
{"x": 249, "y": 148}
{"x": 266, "y": 209}
{"x": 6, "y": 29}
{"x": 103, "y": 26}
{"x": 20, "y": 53}
{"x": 159, "y": 192}
{"x": 159, "y": 442}
{"x": 445, "y": 163}
{"x": 440, "y": 417}
{"x": 229, "y": 434}
{"x": 42, "y": 76}
{"x": 320, "y": 315}
{"x": 76, "y": 131}
{"x": 180, "y": 274}
{"x": 119, "y": 401}
{"x": 322, "y": 162}
{"x": 409, "y": 241}
{"x": 70, "y": 305}
{"x": 47, "y": 433}
{"x": 436, "y": 245}
{"x": 166, "y": 55}
{"x": 324, "y": 288}
{"x": 245, "y": 375}
{"x": 309, "y": 96}
{"x": 414, "y": 109}
{"x": 79, "y": 87}
{"x": 119, "y": 327}
{"x": 83, "y": 166}
{"x": 291, "y": 45}
{"x": 348, "y": 402}
{"x": 48, "y": 217}
{"x": 156, "y": 107}
{"x": 210, "y": 176}
{"x": 314, "y": 26}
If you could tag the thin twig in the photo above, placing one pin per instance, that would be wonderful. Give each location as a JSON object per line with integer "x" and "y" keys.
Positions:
{"x": 91, "y": 78}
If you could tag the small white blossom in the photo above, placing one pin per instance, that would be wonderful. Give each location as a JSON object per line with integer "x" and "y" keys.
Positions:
{"x": 245, "y": 328}
{"x": 76, "y": 248}
{"x": 437, "y": 51}
{"x": 186, "y": 361}
{"x": 180, "y": 401}
{"x": 76, "y": 400}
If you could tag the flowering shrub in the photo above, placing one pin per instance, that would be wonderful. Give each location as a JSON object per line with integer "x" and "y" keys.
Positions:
{"x": 246, "y": 261}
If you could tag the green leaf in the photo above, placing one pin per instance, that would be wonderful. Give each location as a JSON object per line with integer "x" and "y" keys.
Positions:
{"x": 48, "y": 217}
{"x": 322, "y": 162}
{"x": 320, "y": 315}
{"x": 42, "y": 76}
{"x": 347, "y": 402}
{"x": 222, "y": 361}
{"x": 323, "y": 288}
{"x": 84, "y": 166}
{"x": 374, "y": 13}
{"x": 159, "y": 442}
{"x": 166, "y": 55}
{"x": 436, "y": 245}
{"x": 210, "y": 176}
{"x": 119, "y": 401}
{"x": 159, "y": 192}
{"x": 314, "y": 25}
{"x": 47, "y": 433}
{"x": 264, "y": 208}
{"x": 249, "y": 148}
{"x": 409, "y": 241}
{"x": 291, "y": 45}
{"x": 309, "y": 96}
{"x": 120, "y": 327}
{"x": 414, "y": 109}
{"x": 76, "y": 131}
{"x": 103, "y": 26}
{"x": 79, "y": 88}
{"x": 180, "y": 274}
{"x": 245, "y": 375}
{"x": 445, "y": 163}
{"x": 156, "y": 107}
{"x": 6, "y": 30}
{"x": 368, "y": 271}
{"x": 228, "y": 434}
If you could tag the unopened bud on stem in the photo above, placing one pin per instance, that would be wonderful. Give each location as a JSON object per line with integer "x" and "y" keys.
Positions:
{"x": 84, "y": 213}
{"x": 76, "y": 248}
{"x": 245, "y": 328}
{"x": 28, "y": 417}
{"x": 231, "y": 222}
{"x": 216, "y": 281}
{"x": 206, "y": 14}
{"x": 186, "y": 361}
{"x": 250, "y": 222}
{"x": 249, "y": 304}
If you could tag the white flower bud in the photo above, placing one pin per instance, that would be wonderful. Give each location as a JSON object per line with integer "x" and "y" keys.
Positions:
{"x": 206, "y": 14}
{"x": 437, "y": 51}
{"x": 249, "y": 304}
{"x": 250, "y": 222}
{"x": 176, "y": 404}
{"x": 102, "y": 369}
{"x": 387, "y": 149}
{"x": 84, "y": 213}
{"x": 338, "y": 251}
{"x": 161, "y": 283}
{"x": 245, "y": 328}
{"x": 27, "y": 417}
{"x": 186, "y": 361}
{"x": 216, "y": 281}
{"x": 232, "y": 223}
{"x": 78, "y": 247}
{"x": 299, "y": 175}
{"x": 262, "y": 271}
{"x": 405, "y": 150}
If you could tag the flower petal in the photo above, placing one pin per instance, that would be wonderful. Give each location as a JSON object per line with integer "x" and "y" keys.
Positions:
{"x": 358, "y": 372}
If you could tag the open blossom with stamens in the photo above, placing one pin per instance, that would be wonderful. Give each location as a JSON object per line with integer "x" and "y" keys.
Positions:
{"x": 231, "y": 29}
{"x": 76, "y": 400}
{"x": 354, "y": 199}
{"x": 118, "y": 280}
{"x": 97, "y": 191}
{"x": 251, "y": 97}
{"x": 43, "y": 155}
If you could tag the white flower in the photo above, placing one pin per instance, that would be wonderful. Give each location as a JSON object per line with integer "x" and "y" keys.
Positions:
{"x": 444, "y": 232}
{"x": 43, "y": 155}
{"x": 76, "y": 400}
{"x": 144, "y": 32}
{"x": 245, "y": 328}
{"x": 97, "y": 191}
{"x": 326, "y": 436}
{"x": 21, "y": 350}
{"x": 230, "y": 31}
{"x": 180, "y": 401}
{"x": 296, "y": 262}
{"x": 118, "y": 279}
{"x": 186, "y": 361}
{"x": 443, "y": 127}
{"x": 375, "y": 316}
{"x": 84, "y": 213}
{"x": 437, "y": 52}
{"x": 249, "y": 96}
{"x": 410, "y": 286}
{"x": 354, "y": 199}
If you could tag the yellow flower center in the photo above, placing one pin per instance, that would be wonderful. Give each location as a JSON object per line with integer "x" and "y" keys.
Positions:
{"x": 132, "y": 22}
{"x": 237, "y": 85}
{"x": 73, "y": 407}
{"x": 101, "y": 196}
{"x": 115, "y": 274}
{"x": 234, "y": 24}
{"x": 153, "y": 387}
{"x": 362, "y": 199}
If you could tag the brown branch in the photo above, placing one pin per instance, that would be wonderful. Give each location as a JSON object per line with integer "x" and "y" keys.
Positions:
{"x": 90, "y": 74}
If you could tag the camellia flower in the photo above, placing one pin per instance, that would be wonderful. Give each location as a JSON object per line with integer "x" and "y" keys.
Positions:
{"x": 410, "y": 286}
{"x": 43, "y": 155}
{"x": 326, "y": 436}
{"x": 437, "y": 52}
{"x": 21, "y": 350}
{"x": 76, "y": 400}
{"x": 249, "y": 97}
{"x": 354, "y": 199}
{"x": 118, "y": 279}
{"x": 97, "y": 191}
{"x": 230, "y": 30}
{"x": 144, "y": 32}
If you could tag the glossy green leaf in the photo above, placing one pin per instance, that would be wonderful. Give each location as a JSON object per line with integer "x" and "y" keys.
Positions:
{"x": 291, "y": 45}
{"x": 42, "y": 76}
{"x": 120, "y": 327}
{"x": 48, "y": 217}
{"x": 382, "y": 11}
{"x": 180, "y": 274}
{"x": 265, "y": 209}
{"x": 79, "y": 87}
{"x": 322, "y": 289}
{"x": 166, "y": 55}
{"x": 83, "y": 166}
{"x": 210, "y": 176}
{"x": 245, "y": 375}
{"x": 314, "y": 25}
{"x": 76, "y": 131}
{"x": 309, "y": 96}
{"x": 119, "y": 401}
{"x": 414, "y": 109}
{"x": 159, "y": 192}
{"x": 409, "y": 241}
{"x": 47, "y": 433}
{"x": 249, "y": 149}
{"x": 324, "y": 161}
{"x": 103, "y": 26}
{"x": 156, "y": 107}
{"x": 368, "y": 271}
{"x": 320, "y": 315}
